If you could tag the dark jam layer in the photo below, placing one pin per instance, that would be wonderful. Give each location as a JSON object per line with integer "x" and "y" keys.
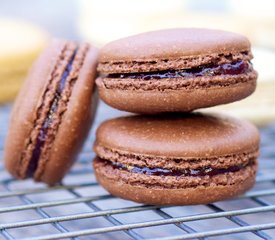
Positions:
{"x": 234, "y": 68}
{"x": 208, "y": 171}
{"x": 42, "y": 136}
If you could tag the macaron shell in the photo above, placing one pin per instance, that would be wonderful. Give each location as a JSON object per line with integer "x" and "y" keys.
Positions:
{"x": 173, "y": 43}
{"x": 24, "y": 110}
{"x": 182, "y": 136}
{"x": 166, "y": 196}
{"x": 181, "y": 100}
{"x": 75, "y": 124}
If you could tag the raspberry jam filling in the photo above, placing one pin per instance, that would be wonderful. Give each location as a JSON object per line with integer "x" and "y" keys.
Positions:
{"x": 200, "y": 172}
{"x": 233, "y": 68}
{"x": 42, "y": 136}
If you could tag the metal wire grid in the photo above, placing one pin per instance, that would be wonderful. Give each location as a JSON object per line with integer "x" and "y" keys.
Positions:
{"x": 81, "y": 209}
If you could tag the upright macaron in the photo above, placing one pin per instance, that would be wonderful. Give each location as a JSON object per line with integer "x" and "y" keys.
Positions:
{"x": 177, "y": 159}
{"x": 53, "y": 113}
{"x": 175, "y": 70}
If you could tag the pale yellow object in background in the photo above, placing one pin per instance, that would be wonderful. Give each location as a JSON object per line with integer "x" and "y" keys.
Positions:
{"x": 259, "y": 17}
{"x": 259, "y": 107}
{"x": 106, "y": 20}
{"x": 20, "y": 44}
{"x": 259, "y": 29}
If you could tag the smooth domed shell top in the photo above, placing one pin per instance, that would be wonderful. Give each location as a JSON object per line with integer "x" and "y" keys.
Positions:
{"x": 173, "y": 43}
{"x": 183, "y": 136}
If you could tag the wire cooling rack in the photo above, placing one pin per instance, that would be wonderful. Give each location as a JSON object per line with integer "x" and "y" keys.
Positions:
{"x": 81, "y": 209}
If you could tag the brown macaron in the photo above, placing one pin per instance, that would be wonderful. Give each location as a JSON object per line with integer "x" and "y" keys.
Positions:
{"x": 53, "y": 113}
{"x": 177, "y": 159}
{"x": 175, "y": 70}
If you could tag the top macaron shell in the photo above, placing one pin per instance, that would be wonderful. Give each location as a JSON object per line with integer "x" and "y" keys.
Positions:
{"x": 76, "y": 120}
{"x": 172, "y": 50}
{"x": 178, "y": 136}
{"x": 152, "y": 50}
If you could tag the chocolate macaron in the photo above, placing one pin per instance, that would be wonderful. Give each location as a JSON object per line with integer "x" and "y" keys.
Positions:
{"x": 53, "y": 113}
{"x": 176, "y": 160}
{"x": 175, "y": 70}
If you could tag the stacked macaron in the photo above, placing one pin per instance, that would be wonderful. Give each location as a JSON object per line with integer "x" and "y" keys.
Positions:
{"x": 173, "y": 156}
{"x": 175, "y": 70}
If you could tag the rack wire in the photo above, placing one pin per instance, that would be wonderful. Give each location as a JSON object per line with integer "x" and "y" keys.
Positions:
{"x": 81, "y": 209}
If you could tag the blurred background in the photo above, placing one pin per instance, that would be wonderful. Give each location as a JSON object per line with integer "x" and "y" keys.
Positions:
{"x": 26, "y": 27}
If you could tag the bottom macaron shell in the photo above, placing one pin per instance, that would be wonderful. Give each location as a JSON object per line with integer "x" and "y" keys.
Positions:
{"x": 160, "y": 196}
{"x": 174, "y": 100}
{"x": 175, "y": 196}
